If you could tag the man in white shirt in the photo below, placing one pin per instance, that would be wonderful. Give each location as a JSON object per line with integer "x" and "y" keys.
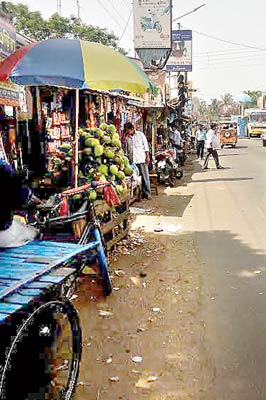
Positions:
{"x": 212, "y": 145}
{"x": 175, "y": 137}
{"x": 137, "y": 150}
{"x": 176, "y": 141}
{"x": 200, "y": 137}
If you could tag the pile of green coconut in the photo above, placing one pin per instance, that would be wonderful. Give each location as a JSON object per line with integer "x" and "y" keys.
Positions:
{"x": 102, "y": 159}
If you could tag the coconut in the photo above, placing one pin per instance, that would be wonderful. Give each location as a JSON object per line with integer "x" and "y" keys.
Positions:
{"x": 125, "y": 160}
{"x": 103, "y": 127}
{"x": 113, "y": 169}
{"x": 93, "y": 195}
{"x": 103, "y": 169}
{"x": 98, "y": 150}
{"x": 116, "y": 143}
{"x": 106, "y": 139}
{"x": 119, "y": 189}
{"x": 120, "y": 175}
{"x": 115, "y": 136}
{"x": 109, "y": 153}
{"x": 128, "y": 170}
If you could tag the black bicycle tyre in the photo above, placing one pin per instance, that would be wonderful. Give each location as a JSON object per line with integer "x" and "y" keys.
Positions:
{"x": 106, "y": 277}
{"x": 74, "y": 321}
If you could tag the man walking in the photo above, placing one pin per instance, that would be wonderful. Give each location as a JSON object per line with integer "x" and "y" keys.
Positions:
{"x": 137, "y": 150}
{"x": 212, "y": 145}
{"x": 200, "y": 137}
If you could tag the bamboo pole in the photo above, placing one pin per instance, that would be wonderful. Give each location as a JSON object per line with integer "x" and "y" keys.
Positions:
{"x": 76, "y": 168}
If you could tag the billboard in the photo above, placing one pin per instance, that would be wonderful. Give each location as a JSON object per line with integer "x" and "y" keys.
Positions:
{"x": 9, "y": 94}
{"x": 7, "y": 38}
{"x": 152, "y": 24}
{"x": 153, "y": 31}
{"x": 181, "y": 55}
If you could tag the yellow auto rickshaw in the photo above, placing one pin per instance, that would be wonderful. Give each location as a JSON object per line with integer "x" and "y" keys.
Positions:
{"x": 228, "y": 134}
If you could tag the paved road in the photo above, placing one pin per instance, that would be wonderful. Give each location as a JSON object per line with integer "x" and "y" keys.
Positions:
{"x": 228, "y": 215}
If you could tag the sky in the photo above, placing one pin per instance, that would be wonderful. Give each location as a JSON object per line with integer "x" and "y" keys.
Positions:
{"x": 229, "y": 38}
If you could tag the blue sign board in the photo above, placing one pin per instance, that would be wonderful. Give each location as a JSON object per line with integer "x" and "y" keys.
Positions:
{"x": 242, "y": 123}
{"x": 181, "y": 55}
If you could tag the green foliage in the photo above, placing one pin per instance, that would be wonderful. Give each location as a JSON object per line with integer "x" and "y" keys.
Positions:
{"x": 33, "y": 25}
{"x": 254, "y": 94}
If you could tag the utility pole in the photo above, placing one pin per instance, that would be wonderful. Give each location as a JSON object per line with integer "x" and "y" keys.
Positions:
{"x": 59, "y": 7}
{"x": 78, "y": 10}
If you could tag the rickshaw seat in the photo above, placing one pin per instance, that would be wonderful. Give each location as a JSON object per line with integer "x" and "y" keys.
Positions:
{"x": 27, "y": 272}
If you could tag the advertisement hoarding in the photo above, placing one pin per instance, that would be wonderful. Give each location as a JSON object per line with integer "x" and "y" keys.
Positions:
{"x": 152, "y": 24}
{"x": 158, "y": 77}
{"x": 181, "y": 55}
{"x": 7, "y": 38}
{"x": 9, "y": 94}
{"x": 152, "y": 31}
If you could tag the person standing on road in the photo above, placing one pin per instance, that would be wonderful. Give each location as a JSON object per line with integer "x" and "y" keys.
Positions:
{"x": 137, "y": 150}
{"x": 212, "y": 145}
{"x": 200, "y": 137}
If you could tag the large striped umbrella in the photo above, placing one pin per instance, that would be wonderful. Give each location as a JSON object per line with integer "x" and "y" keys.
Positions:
{"x": 74, "y": 64}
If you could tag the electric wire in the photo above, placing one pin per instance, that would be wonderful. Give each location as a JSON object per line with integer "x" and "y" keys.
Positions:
{"x": 127, "y": 4}
{"x": 124, "y": 31}
{"x": 215, "y": 61}
{"x": 114, "y": 19}
{"x": 227, "y": 41}
{"x": 227, "y": 51}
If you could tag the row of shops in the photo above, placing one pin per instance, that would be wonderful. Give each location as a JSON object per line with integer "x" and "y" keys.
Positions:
{"x": 38, "y": 122}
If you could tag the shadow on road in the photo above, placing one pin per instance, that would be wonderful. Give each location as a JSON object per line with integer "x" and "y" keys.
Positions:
{"x": 222, "y": 180}
{"x": 234, "y": 308}
{"x": 232, "y": 154}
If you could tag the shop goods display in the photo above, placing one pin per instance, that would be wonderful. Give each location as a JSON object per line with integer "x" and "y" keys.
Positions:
{"x": 102, "y": 158}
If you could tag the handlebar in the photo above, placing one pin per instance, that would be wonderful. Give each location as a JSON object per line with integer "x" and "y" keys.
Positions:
{"x": 83, "y": 188}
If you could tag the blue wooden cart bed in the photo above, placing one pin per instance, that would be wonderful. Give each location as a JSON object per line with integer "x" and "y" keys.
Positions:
{"x": 27, "y": 272}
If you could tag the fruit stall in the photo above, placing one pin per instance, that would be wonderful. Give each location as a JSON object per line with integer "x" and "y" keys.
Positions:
{"x": 74, "y": 87}
{"x": 102, "y": 159}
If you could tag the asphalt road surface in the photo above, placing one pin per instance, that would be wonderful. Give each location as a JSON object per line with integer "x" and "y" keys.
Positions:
{"x": 228, "y": 217}
{"x": 205, "y": 273}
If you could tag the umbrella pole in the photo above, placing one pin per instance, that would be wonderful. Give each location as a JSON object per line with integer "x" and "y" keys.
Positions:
{"x": 76, "y": 168}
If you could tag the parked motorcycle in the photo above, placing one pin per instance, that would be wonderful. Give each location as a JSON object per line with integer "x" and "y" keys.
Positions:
{"x": 168, "y": 170}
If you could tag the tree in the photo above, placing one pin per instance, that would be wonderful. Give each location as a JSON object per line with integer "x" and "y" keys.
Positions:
{"x": 227, "y": 99}
{"x": 254, "y": 94}
{"x": 214, "y": 109}
{"x": 228, "y": 106}
{"x": 33, "y": 25}
{"x": 200, "y": 109}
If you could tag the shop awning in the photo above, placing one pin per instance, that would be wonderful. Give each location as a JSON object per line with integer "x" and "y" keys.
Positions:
{"x": 75, "y": 64}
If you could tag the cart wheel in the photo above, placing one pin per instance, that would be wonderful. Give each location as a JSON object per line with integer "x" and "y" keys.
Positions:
{"x": 107, "y": 283}
{"x": 43, "y": 358}
{"x": 103, "y": 262}
{"x": 102, "y": 256}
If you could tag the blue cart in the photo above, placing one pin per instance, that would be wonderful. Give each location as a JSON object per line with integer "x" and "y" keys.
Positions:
{"x": 40, "y": 331}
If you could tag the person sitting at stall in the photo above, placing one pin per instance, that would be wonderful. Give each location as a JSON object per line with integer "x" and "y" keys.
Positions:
{"x": 13, "y": 233}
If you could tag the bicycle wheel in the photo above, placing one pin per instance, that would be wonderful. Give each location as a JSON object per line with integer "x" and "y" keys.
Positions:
{"x": 43, "y": 359}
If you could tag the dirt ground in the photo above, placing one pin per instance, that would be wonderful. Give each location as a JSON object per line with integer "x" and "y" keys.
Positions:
{"x": 150, "y": 345}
